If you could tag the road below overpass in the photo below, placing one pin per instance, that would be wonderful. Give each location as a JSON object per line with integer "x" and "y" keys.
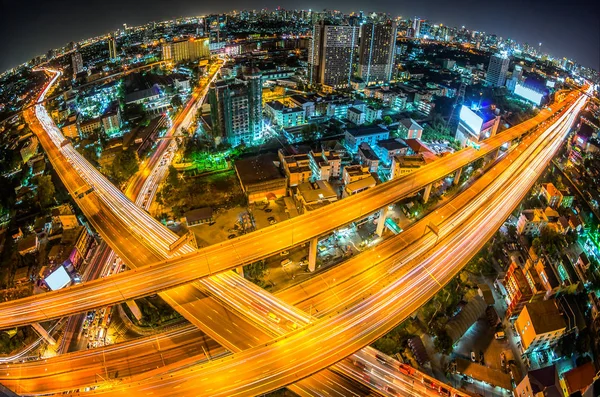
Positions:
{"x": 248, "y": 248}
{"x": 322, "y": 286}
{"x": 401, "y": 288}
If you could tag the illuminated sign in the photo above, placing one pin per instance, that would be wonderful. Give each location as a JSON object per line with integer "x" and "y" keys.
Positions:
{"x": 58, "y": 279}
{"x": 529, "y": 94}
{"x": 472, "y": 120}
{"x": 550, "y": 83}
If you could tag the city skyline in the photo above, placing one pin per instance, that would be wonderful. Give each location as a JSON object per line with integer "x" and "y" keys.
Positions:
{"x": 537, "y": 23}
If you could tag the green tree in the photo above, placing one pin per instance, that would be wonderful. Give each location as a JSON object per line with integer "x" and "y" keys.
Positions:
{"x": 173, "y": 176}
{"x": 45, "y": 191}
{"x": 255, "y": 272}
{"x": 125, "y": 165}
{"x": 443, "y": 342}
{"x": 176, "y": 101}
{"x": 387, "y": 120}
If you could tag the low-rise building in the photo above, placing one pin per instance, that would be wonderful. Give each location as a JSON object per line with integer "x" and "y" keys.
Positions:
{"x": 359, "y": 185}
{"x": 29, "y": 148}
{"x": 402, "y": 165}
{"x": 531, "y": 222}
{"x": 108, "y": 155}
{"x": 476, "y": 125}
{"x": 324, "y": 164}
{"x": 111, "y": 120}
{"x": 386, "y": 149}
{"x": 578, "y": 379}
{"x": 313, "y": 195}
{"x": 540, "y": 325}
{"x": 372, "y": 114}
{"x": 371, "y": 135}
{"x": 355, "y": 116}
{"x": 90, "y": 126}
{"x": 551, "y": 194}
{"x": 518, "y": 290}
{"x": 368, "y": 157}
{"x": 70, "y": 130}
{"x": 542, "y": 382}
{"x": 410, "y": 129}
{"x": 296, "y": 168}
{"x": 260, "y": 178}
{"x": 28, "y": 245}
{"x": 357, "y": 178}
{"x": 305, "y": 103}
{"x": 199, "y": 216}
{"x": 285, "y": 116}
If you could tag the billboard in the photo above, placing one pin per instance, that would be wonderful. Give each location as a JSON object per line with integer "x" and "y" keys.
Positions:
{"x": 471, "y": 120}
{"x": 529, "y": 94}
{"x": 550, "y": 83}
{"x": 58, "y": 279}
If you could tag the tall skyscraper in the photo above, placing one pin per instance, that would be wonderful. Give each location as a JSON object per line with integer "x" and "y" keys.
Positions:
{"x": 515, "y": 78}
{"x": 236, "y": 110}
{"x": 416, "y": 27}
{"x": 331, "y": 54}
{"x": 112, "y": 48}
{"x": 376, "y": 52}
{"x": 77, "y": 63}
{"x": 497, "y": 69}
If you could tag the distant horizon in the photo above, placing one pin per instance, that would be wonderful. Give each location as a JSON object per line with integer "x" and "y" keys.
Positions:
{"x": 35, "y": 45}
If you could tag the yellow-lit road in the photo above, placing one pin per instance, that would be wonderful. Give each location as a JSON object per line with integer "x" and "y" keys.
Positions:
{"x": 401, "y": 288}
{"x": 246, "y": 249}
{"x": 293, "y": 296}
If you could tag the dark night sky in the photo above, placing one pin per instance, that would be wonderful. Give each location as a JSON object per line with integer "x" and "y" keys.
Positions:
{"x": 566, "y": 28}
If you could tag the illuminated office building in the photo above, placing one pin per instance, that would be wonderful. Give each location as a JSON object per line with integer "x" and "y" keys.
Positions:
{"x": 497, "y": 69}
{"x": 331, "y": 54}
{"x": 236, "y": 110}
{"x": 376, "y": 52}
{"x": 112, "y": 48}
{"x": 77, "y": 63}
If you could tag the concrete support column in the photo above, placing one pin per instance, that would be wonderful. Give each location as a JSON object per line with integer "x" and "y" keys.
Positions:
{"x": 240, "y": 270}
{"x": 457, "y": 176}
{"x": 312, "y": 254}
{"x": 381, "y": 221}
{"x": 43, "y": 333}
{"x": 427, "y": 192}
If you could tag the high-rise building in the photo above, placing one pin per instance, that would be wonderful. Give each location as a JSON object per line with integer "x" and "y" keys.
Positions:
{"x": 331, "y": 54}
{"x": 77, "y": 63}
{"x": 186, "y": 49}
{"x": 515, "y": 78}
{"x": 497, "y": 69}
{"x": 376, "y": 52}
{"x": 236, "y": 110}
{"x": 416, "y": 27}
{"x": 112, "y": 48}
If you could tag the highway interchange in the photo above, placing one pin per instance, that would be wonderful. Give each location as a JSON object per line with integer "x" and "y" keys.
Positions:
{"x": 297, "y": 317}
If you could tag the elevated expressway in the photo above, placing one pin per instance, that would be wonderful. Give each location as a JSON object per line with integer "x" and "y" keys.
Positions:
{"x": 134, "y": 234}
{"x": 232, "y": 298}
{"x": 394, "y": 290}
{"x": 151, "y": 176}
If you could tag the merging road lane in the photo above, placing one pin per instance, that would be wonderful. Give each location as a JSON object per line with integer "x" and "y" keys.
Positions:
{"x": 401, "y": 289}
{"x": 246, "y": 249}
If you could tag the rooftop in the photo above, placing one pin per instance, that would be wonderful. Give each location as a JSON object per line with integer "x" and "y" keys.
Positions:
{"x": 410, "y": 124}
{"x": 258, "y": 169}
{"x": 545, "y": 316}
{"x": 199, "y": 214}
{"x": 392, "y": 144}
{"x": 367, "y": 130}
